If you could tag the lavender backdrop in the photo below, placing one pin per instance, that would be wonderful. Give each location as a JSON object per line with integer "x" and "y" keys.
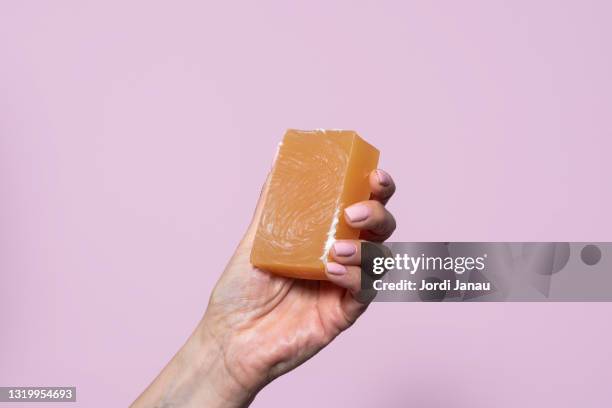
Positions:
{"x": 134, "y": 137}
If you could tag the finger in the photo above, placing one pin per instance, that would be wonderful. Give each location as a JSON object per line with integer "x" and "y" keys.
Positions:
{"x": 376, "y": 223}
{"x": 347, "y": 252}
{"x": 359, "y": 294}
{"x": 352, "y": 307}
{"x": 345, "y": 276}
{"x": 382, "y": 186}
{"x": 348, "y": 277}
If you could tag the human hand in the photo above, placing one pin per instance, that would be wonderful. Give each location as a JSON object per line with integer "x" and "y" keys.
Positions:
{"x": 259, "y": 325}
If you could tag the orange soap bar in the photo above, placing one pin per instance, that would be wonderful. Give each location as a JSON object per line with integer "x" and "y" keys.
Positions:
{"x": 316, "y": 175}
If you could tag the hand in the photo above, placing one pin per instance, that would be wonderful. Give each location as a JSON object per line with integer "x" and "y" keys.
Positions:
{"x": 259, "y": 325}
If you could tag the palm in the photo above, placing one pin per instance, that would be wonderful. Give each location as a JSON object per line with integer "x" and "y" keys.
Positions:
{"x": 288, "y": 319}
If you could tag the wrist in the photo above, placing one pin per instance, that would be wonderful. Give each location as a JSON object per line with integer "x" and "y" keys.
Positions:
{"x": 203, "y": 354}
{"x": 197, "y": 376}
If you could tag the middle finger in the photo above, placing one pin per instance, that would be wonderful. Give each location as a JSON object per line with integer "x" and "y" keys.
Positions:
{"x": 375, "y": 221}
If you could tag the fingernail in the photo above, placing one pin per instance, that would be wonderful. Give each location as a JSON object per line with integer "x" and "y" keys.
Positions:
{"x": 357, "y": 212}
{"x": 335, "y": 268}
{"x": 383, "y": 178}
{"x": 344, "y": 249}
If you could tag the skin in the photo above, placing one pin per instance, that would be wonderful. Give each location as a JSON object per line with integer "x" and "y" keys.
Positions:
{"x": 258, "y": 325}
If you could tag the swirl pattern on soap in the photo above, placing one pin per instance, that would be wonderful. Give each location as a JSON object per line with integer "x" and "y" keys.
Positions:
{"x": 306, "y": 184}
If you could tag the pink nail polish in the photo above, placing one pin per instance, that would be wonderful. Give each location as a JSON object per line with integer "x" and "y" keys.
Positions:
{"x": 344, "y": 249}
{"x": 383, "y": 178}
{"x": 357, "y": 212}
{"x": 335, "y": 268}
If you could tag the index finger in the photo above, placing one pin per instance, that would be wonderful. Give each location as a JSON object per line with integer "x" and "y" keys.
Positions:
{"x": 382, "y": 186}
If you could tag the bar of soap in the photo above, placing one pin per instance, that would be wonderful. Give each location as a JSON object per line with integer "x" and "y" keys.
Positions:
{"x": 316, "y": 175}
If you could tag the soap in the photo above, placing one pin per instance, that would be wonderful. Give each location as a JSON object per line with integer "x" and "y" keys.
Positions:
{"x": 315, "y": 176}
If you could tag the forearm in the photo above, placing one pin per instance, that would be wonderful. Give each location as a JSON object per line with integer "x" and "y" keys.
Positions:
{"x": 195, "y": 377}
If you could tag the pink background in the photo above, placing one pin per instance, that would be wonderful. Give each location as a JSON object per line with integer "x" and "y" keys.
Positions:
{"x": 135, "y": 135}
